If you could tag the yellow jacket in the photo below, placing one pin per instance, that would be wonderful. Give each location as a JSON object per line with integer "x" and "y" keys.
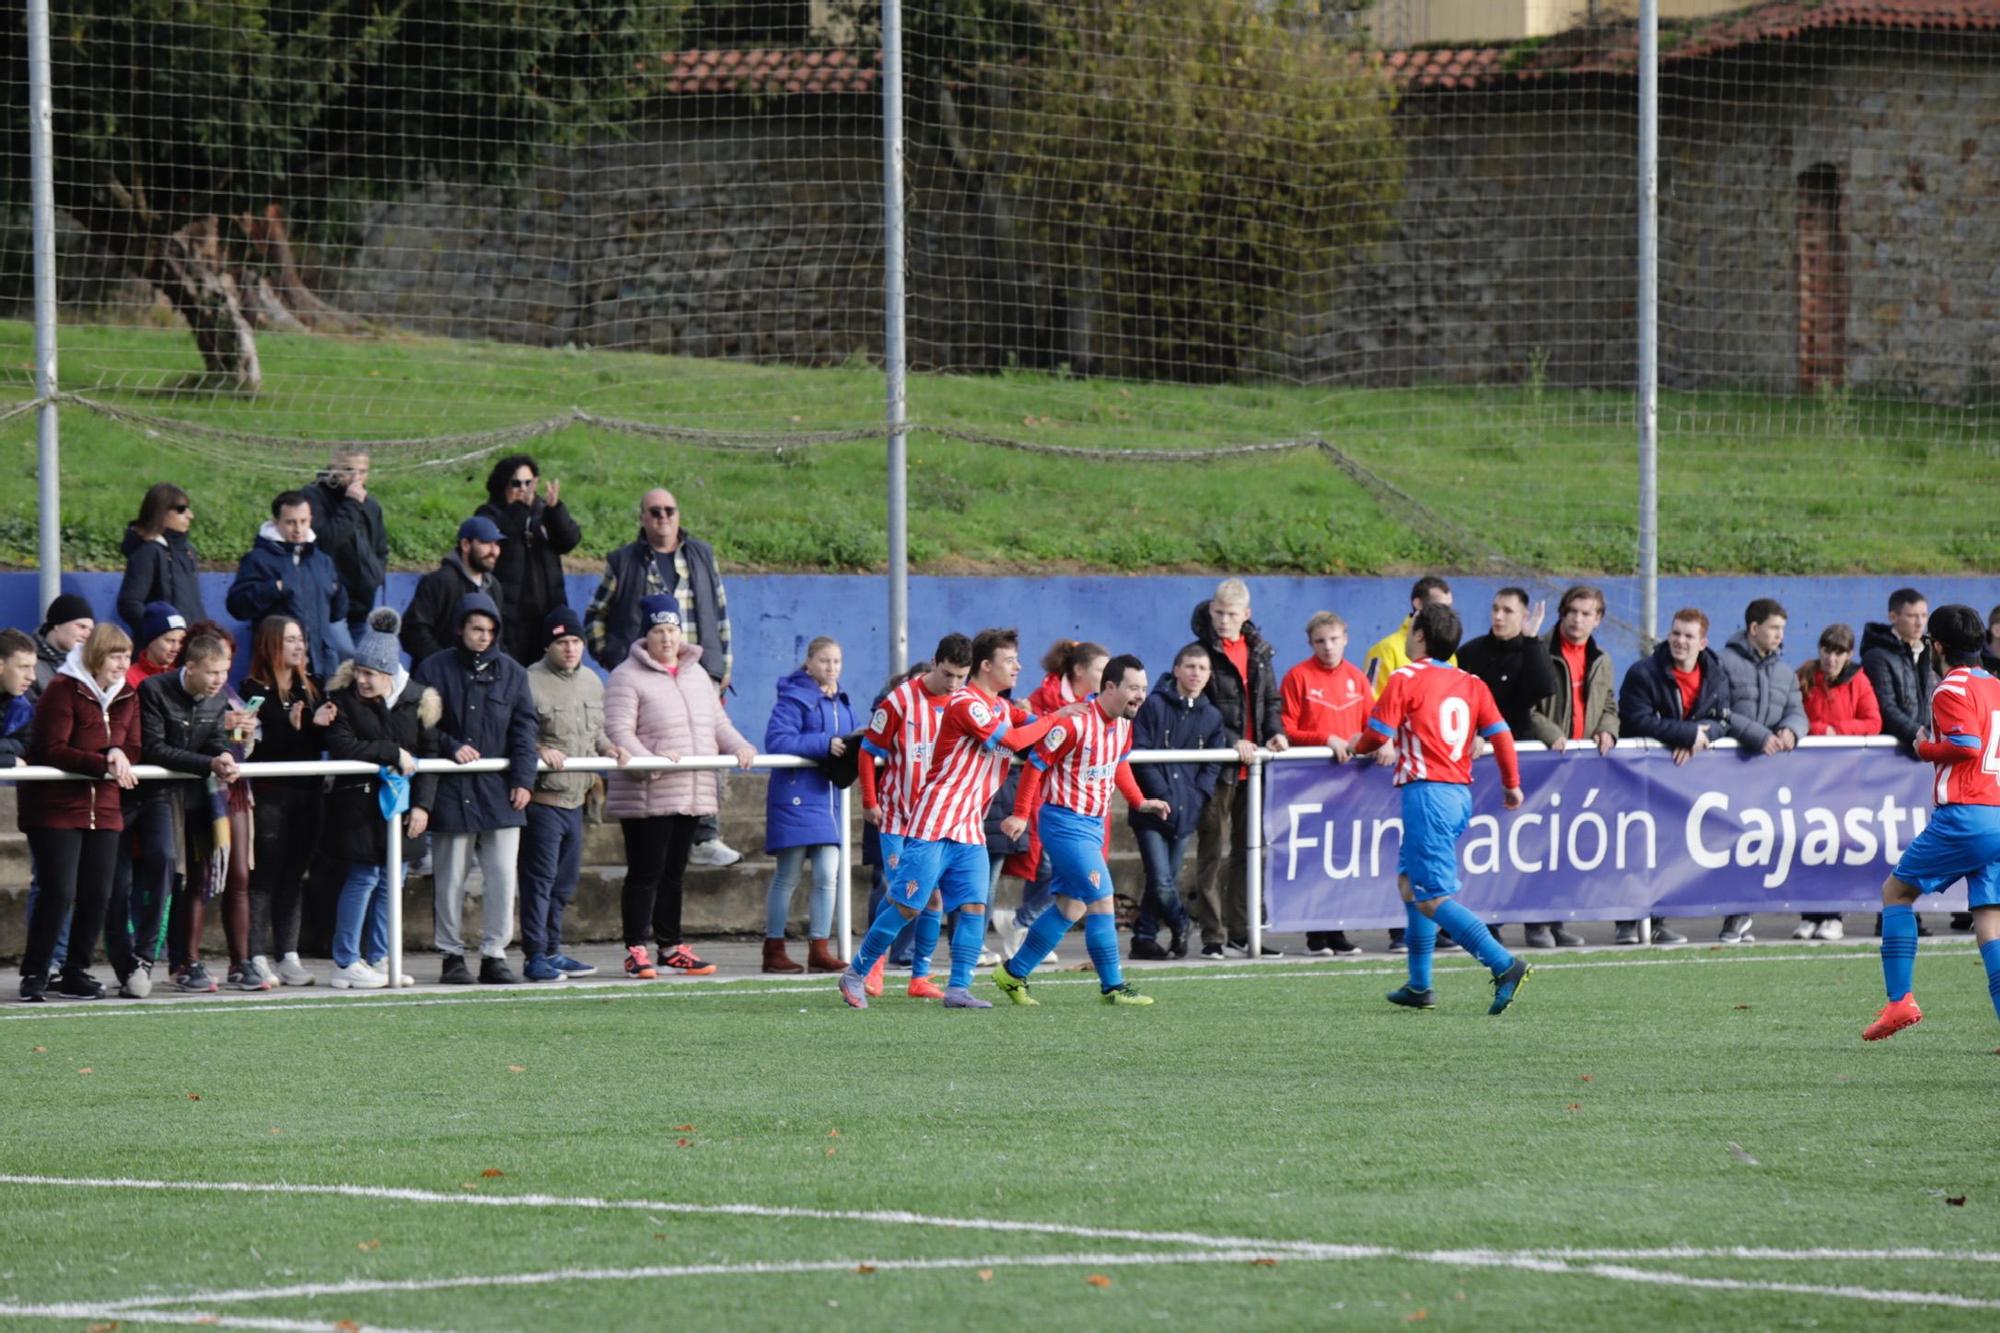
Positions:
{"x": 1388, "y": 656}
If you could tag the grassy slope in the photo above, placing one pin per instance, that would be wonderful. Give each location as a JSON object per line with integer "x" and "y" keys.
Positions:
{"x": 1777, "y": 484}
{"x": 1598, "y": 1114}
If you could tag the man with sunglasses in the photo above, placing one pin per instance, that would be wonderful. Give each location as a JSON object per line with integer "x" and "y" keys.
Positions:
{"x": 666, "y": 561}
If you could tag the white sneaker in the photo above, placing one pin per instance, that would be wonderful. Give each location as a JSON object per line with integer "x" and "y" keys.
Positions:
{"x": 138, "y": 983}
{"x": 1804, "y": 930}
{"x": 357, "y": 975}
{"x": 291, "y": 972}
{"x": 1830, "y": 929}
{"x": 1736, "y": 930}
{"x": 714, "y": 852}
{"x": 382, "y": 965}
{"x": 262, "y": 967}
{"x": 988, "y": 958}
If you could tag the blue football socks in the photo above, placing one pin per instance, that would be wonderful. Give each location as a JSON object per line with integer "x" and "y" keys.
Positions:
{"x": 968, "y": 936}
{"x": 1043, "y": 936}
{"x": 1989, "y": 954}
{"x": 1420, "y": 936}
{"x": 1473, "y": 936}
{"x": 881, "y": 934}
{"x": 1100, "y": 936}
{"x": 1899, "y": 949}
{"x": 923, "y": 940}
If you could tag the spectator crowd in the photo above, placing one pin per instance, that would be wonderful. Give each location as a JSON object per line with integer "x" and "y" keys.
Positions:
{"x": 496, "y": 669}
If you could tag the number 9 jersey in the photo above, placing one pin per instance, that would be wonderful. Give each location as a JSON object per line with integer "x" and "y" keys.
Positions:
{"x": 1432, "y": 710}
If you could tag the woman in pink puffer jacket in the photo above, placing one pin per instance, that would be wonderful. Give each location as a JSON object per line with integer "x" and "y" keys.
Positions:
{"x": 661, "y": 703}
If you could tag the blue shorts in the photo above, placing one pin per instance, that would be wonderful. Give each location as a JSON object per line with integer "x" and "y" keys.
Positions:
{"x": 960, "y": 870}
{"x": 891, "y": 857}
{"x": 1075, "y": 847}
{"x": 1434, "y": 815}
{"x": 1960, "y": 842}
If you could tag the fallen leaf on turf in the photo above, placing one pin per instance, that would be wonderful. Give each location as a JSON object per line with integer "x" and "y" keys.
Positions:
{"x": 517, "y": 1069}
{"x": 102, "y": 1328}
{"x": 1265, "y": 1262}
{"x": 684, "y": 1129}
{"x": 41, "y": 1050}
{"x": 1736, "y": 1151}
{"x": 985, "y": 1275}
{"x": 1574, "y": 1106}
{"x": 194, "y": 1096}
{"x": 276, "y": 1130}
{"x": 469, "y": 1186}
{"x": 368, "y": 1246}
{"x": 1587, "y": 1078}
{"x": 346, "y": 1326}
{"x": 1955, "y": 1200}
{"x": 1740, "y": 1006}
{"x": 833, "y": 1133}
{"x": 829, "y": 1152}
{"x": 86, "y": 1070}
{"x": 1417, "y": 1316}
{"x": 1098, "y": 1280}
{"x": 492, "y": 1173}
{"x": 864, "y": 1269}
{"x": 683, "y": 1143}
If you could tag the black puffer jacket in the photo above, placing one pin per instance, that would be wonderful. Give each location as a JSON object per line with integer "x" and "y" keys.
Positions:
{"x": 1233, "y": 696}
{"x": 372, "y": 732}
{"x": 530, "y": 570}
{"x": 1903, "y": 682}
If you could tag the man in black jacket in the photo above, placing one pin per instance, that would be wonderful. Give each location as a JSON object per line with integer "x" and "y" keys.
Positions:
{"x": 1515, "y": 664}
{"x": 347, "y": 525}
{"x": 1899, "y": 666}
{"x": 1243, "y": 686}
{"x": 1678, "y": 696}
{"x": 429, "y": 624}
{"x": 184, "y": 725}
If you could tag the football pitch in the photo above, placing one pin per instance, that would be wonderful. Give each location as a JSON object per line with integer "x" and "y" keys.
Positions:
{"x": 1689, "y": 1137}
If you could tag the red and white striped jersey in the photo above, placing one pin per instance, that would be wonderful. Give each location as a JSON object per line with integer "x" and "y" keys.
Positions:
{"x": 1965, "y": 715}
{"x": 900, "y": 735}
{"x": 1433, "y": 710}
{"x": 968, "y": 764}
{"x": 1081, "y": 755}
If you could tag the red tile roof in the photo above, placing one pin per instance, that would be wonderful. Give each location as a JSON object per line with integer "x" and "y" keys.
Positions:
{"x": 1616, "y": 51}
{"x": 766, "y": 71}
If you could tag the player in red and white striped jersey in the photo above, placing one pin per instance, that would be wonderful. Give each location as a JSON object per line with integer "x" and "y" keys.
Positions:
{"x": 944, "y": 865}
{"x": 1074, "y": 769}
{"x": 895, "y": 755}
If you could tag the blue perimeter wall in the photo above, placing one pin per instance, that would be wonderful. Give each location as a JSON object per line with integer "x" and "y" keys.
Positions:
{"x": 774, "y": 615}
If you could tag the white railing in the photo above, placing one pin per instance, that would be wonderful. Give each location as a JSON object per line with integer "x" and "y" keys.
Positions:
{"x": 843, "y": 902}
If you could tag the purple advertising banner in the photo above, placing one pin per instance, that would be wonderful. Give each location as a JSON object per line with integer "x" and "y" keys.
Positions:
{"x": 1611, "y": 837}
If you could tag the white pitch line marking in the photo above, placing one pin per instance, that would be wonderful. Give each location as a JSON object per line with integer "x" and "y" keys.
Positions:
{"x": 126, "y": 1312}
{"x": 729, "y": 987}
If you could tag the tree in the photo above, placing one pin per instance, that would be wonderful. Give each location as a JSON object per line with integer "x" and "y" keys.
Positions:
{"x": 192, "y": 135}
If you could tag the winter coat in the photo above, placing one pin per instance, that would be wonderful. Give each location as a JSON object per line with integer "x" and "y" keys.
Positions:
{"x": 1844, "y": 706}
{"x": 1649, "y": 702}
{"x": 74, "y": 729}
{"x": 1517, "y": 671}
{"x": 372, "y": 731}
{"x": 801, "y": 806}
{"x": 1763, "y": 693}
{"x": 611, "y": 621}
{"x": 1902, "y": 681}
{"x": 433, "y": 611}
{"x": 48, "y": 661}
{"x": 488, "y": 705}
{"x": 652, "y": 712}
{"x": 998, "y": 811}
{"x": 1552, "y": 719}
{"x": 1167, "y": 721}
{"x": 179, "y": 732}
{"x": 17, "y": 722}
{"x": 1233, "y": 696}
{"x": 354, "y": 537}
{"x": 569, "y": 716}
{"x": 276, "y": 577}
{"x": 278, "y": 741}
{"x": 530, "y": 571}
{"x": 160, "y": 569}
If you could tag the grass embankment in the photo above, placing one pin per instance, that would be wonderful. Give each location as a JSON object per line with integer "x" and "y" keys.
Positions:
{"x": 1548, "y": 476}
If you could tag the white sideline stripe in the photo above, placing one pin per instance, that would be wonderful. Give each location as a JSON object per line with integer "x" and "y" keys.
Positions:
{"x": 124, "y": 1312}
{"x": 1813, "y": 1255}
{"x": 706, "y": 989}
{"x": 1315, "y": 1253}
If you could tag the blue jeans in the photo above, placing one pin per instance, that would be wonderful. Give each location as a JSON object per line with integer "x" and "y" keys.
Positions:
{"x": 364, "y": 902}
{"x": 878, "y": 889}
{"x": 1035, "y": 895}
{"x": 1161, "y": 904}
{"x": 155, "y": 881}
{"x": 819, "y": 908}
{"x": 547, "y": 865}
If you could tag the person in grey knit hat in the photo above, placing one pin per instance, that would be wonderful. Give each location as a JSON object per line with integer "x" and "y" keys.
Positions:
{"x": 378, "y": 648}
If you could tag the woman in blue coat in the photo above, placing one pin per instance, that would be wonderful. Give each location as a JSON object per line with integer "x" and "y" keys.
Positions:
{"x": 801, "y": 806}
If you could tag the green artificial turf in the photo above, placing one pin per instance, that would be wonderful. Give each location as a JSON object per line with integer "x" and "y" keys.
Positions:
{"x": 1286, "y": 1104}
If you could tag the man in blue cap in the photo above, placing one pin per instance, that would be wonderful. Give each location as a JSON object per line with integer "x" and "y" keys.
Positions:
{"x": 427, "y": 627}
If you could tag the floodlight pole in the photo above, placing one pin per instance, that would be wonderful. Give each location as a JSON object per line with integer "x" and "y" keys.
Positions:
{"x": 42, "y": 197}
{"x": 894, "y": 352}
{"x": 1649, "y": 322}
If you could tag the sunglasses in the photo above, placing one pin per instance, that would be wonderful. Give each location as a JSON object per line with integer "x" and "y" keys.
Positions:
{"x": 521, "y": 484}
{"x": 182, "y": 508}
{"x": 662, "y": 511}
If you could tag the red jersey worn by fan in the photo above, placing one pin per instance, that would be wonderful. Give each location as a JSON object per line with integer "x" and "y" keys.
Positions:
{"x": 1965, "y": 715}
{"x": 968, "y": 764}
{"x": 899, "y": 742}
{"x": 1322, "y": 702}
{"x": 1433, "y": 710}
{"x": 1078, "y": 764}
